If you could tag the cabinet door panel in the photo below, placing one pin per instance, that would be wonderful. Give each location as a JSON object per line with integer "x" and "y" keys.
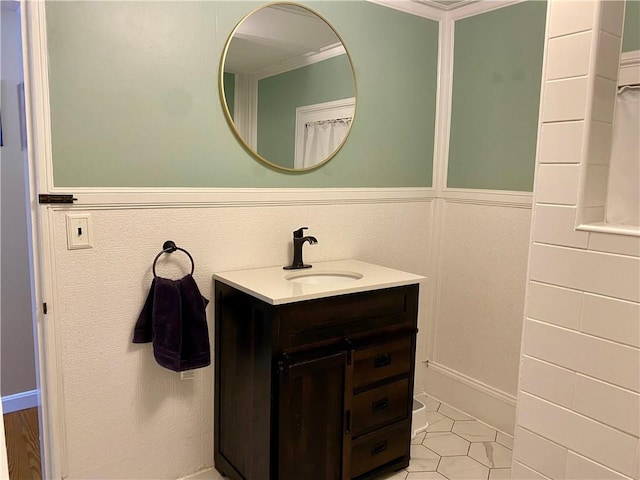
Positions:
{"x": 311, "y": 419}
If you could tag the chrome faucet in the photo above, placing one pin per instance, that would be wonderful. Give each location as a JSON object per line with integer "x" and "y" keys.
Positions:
{"x": 298, "y": 242}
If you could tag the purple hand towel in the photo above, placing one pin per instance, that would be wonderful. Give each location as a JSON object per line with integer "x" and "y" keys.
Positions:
{"x": 174, "y": 319}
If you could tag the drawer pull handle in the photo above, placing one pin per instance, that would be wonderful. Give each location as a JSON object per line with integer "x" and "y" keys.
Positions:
{"x": 379, "y": 448}
{"x": 381, "y": 404}
{"x": 382, "y": 360}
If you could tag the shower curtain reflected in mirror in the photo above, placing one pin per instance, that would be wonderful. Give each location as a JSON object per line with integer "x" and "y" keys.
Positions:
{"x": 322, "y": 138}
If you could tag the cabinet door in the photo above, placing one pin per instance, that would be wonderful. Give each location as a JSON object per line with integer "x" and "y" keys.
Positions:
{"x": 313, "y": 419}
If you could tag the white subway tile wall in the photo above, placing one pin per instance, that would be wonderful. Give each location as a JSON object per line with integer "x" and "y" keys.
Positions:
{"x": 522, "y": 472}
{"x": 547, "y": 381}
{"x": 604, "y": 98}
{"x": 580, "y": 434}
{"x": 596, "y": 186}
{"x": 578, "y": 413}
{"x": 556, "y": 305}
{"x": 607, "y": 60}
{"x": 622, "y": 244}
{"x": 558, "y": 184}
{"x": 612, "y": 319}
{"x": 555, "y": 224}
{"x": 592, "y": 214}
{"x": 564, "y": 100}
{"x": 616, "y": 276}
{"x": 603, "y": 80}
{"x": 566, "y": 18}
{"x": 609, "y": 361}
{"x": 541, "y": 454}
{"x": 607, "y": 403}
{"x": 612, "y": 17}
{"x": 599, "y": 143}
{"x": 569, "y": 56}
{"x": 581, "y": 468}
{"x": 561, "y": 142}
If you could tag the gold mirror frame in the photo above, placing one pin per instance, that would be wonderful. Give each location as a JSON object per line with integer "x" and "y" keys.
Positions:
{"x": 225, "y": 106}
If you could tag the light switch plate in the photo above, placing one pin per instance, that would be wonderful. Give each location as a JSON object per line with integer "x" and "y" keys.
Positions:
{"x": 78, "y": 231}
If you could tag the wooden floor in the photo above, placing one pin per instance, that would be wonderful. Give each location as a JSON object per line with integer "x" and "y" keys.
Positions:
{"x": 23, "y": 444}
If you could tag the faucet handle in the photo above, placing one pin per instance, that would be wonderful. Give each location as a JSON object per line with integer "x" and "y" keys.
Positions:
{"x": 300, "y": 232}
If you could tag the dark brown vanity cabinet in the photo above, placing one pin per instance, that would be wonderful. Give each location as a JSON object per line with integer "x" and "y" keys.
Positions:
{"x": 314, "y": 390}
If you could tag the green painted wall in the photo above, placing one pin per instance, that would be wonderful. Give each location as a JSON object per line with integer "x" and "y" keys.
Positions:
{"x": 631, "y": 35}
{"x": 134, "y": 97}
{"x": 280, "y": 95}
{"x": 229, "y": 90}
{"x": 496, "y": 89}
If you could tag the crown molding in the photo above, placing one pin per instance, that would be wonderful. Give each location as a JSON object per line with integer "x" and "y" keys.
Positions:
{"x": 302, "y": 61}
{"x": 447, "y": 7}
{"x": 476, "y": 8}
{"x": 433, "y": 10}
{"x": 413, "y": 8}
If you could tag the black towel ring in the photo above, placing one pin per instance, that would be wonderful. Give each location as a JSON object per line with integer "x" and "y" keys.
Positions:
{"x": 170, "y": 247}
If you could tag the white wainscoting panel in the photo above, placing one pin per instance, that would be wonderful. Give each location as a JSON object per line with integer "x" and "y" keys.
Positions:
{"x": 481, "y": 292}
{"x": 477, "y": 322}
{"x": 127, "y": 417}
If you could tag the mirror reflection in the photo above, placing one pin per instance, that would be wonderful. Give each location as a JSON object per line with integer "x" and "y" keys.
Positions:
{"x": 288, "y": 87}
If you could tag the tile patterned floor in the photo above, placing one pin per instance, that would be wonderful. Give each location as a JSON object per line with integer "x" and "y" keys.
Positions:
{"x": 456, "y": 447}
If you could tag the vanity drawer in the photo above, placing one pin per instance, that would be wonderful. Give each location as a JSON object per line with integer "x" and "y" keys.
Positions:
{"x": 374, "y": 450}
{"x": 376, "y": 363}
{"x": 313, "y": 321}
{"x": 380, "y": 406}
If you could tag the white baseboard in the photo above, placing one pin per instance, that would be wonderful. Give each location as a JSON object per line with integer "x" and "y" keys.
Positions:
{"x": 487, "y": 404}
{"x": 207, "y": 474}
{"x": 19, "y": 401}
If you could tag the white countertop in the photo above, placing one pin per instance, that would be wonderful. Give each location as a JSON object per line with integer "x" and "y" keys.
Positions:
{"x": 271, "y": 285}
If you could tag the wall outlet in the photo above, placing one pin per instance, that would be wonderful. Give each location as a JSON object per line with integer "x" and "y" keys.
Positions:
{"x": 78, "y": 231}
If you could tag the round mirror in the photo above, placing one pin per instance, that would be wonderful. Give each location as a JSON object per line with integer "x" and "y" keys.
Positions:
{"x": 288, "y": 87}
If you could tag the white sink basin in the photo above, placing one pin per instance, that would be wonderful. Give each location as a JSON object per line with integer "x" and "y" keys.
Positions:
{"x": 323, "y": 277}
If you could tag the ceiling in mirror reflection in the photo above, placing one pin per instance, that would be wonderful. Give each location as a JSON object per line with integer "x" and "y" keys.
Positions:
{"x": 278, "y": 35}
{"x": 280, "y": 60}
